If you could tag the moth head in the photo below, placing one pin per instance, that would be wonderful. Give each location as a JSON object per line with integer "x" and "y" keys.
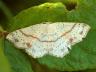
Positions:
{"x": 17, "y": 39}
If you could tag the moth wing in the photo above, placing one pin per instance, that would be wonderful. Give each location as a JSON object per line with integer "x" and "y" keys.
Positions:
{"x": 18, "y": 39}
{"x": 71, "y": 37}
{"x": 60, "y": 48}
{"x": 77, "y": 34}
{"x": 48, "y": 31}
{"x": 38, "y": 49}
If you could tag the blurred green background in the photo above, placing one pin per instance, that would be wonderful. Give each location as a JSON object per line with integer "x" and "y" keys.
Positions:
{"x": 10, "y": 8}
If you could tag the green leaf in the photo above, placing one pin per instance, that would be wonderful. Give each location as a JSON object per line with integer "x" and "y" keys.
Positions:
{"x": 18, "y": 60}
{"x": 4, "y": 64}
{"x": 82, "y": 55}
{"x": 42, "y": 13}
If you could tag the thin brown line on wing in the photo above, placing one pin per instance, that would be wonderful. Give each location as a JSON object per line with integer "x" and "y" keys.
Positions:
{"x": 65, "y": 33}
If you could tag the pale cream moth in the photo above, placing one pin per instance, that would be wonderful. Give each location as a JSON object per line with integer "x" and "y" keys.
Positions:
{"x": 49, "y": 38}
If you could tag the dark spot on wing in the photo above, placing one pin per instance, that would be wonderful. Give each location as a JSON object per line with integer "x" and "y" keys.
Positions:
{"x": 71, "y": 40}
{"x": 16, "y": 40}
{"x": 28, "y": 45}
{"x": 81, "y": 32}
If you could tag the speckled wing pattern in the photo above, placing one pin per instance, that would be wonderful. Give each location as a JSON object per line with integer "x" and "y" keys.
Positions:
{"x": 49, "y": 38}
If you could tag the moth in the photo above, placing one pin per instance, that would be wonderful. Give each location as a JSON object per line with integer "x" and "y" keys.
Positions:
{"x": 49, "y": 38}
